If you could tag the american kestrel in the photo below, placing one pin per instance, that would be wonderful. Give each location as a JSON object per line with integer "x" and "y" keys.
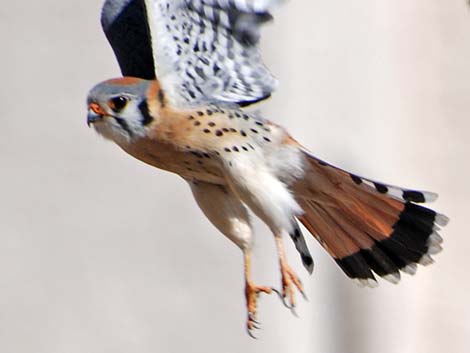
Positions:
{"x": 191, "y": 66}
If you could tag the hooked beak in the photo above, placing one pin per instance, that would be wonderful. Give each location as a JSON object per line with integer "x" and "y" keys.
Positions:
{"x": 95, "y": 113}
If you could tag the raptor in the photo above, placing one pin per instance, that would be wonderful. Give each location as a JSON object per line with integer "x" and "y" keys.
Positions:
{"x": 190, "y": 67}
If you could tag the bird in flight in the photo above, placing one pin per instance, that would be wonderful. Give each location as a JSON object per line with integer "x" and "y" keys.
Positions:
{"x": 190, "y": 67}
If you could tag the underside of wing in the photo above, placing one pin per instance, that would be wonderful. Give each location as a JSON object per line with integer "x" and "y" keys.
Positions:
{"x": 200, "y": 50}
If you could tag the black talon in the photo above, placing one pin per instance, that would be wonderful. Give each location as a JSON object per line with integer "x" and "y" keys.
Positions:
{"x": 252, "y": 319}
{"x": 286, "y": 304}
{"x": 302, "y": 292}
{"x": 283, "y": 300}
{"x": 279, "y": 294}
{"x": 251, "y": 334}
{"x": 292, "y": 310}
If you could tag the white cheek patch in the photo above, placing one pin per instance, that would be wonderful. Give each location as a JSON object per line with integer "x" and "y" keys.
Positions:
{"x": 124, "y": 128}
{"x": 111, "y": 130}
{"x": 135, "y": 119}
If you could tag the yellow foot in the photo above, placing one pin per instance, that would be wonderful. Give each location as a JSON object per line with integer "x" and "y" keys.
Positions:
{"x": 252, "y": 293}
{"x": 289, "y": 281}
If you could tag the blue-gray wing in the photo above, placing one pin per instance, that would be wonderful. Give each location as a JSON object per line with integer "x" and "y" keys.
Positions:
{"x": 200, "y": 50}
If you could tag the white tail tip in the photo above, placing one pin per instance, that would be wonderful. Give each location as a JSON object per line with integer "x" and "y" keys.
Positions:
{"x": 392, "y": 277}
{"x": 434, "y": 249}
{"x": 410, "y": 269}
{"x": 426, "y": 260}
{"x": 442, "y": 220}
{"x": 367, "y": 282}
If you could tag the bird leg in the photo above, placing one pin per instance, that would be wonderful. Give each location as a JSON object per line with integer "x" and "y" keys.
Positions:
{"x": 252, "y": 292}
{"x": 289, "y": 278}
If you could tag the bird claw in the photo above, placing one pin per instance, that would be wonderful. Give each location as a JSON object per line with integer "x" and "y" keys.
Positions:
{"x": 250, "y": 333}
{"x": 252, "y": 293}
{"x": 253, "y": 320}
{"x": 252, "y": 324}
{"x": 289, "y": 281}
{"x": 255, "y": 325}
{"x": 283, "y": 299}
{"x": 294, "y": 312}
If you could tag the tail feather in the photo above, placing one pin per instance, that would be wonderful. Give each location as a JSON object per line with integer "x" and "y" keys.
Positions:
{"x": 334, "y": 238}
{"x": 368, "y": 227}
{"x": 395, "y": 192}
{"x": 301, "y": 246}
{"x": 347, "y": 224}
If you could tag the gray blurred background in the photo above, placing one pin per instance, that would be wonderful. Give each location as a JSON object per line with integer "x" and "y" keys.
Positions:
{"x": 101, "y": 253}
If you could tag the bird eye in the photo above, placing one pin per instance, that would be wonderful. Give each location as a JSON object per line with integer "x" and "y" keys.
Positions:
{"x": 118, "y": 103}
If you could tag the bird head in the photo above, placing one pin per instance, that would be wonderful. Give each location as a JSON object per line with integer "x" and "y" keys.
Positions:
{"x": 122, "y": 109}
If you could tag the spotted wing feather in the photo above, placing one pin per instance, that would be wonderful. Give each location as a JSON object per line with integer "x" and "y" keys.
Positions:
{"x": 207, "y": 50}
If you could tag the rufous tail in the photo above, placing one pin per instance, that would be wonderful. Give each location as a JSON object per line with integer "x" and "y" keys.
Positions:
{"x": 368, "y": 227}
